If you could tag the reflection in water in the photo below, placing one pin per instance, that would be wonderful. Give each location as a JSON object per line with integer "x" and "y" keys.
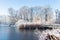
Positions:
{"x": 4, "y": 33}
{"x": 10, "y": 33}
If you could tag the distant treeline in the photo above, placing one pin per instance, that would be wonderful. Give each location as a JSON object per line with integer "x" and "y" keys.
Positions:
{"x": 31, "y": 13}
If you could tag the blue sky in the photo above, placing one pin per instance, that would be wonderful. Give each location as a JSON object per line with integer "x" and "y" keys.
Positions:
{"x": 16, "y": 4}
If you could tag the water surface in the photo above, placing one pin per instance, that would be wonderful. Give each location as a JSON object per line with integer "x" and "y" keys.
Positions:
{"x": 11, "y": 33}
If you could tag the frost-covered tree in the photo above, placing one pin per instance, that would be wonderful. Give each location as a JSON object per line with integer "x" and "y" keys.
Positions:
{"x": 57, "y": 16}
{"x": 48, "y": 14}
{"x": 28, "y": 14}
{"x": 12, "y": 12}
{"x": 13, "y": 15}
{"x": 24, "y": 13}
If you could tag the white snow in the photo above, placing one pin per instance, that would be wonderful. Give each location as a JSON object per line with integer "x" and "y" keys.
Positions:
{"x": 43, "y": 35}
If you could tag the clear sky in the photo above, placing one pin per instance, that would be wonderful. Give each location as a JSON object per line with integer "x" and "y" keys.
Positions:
{"x": 16, "y": 4}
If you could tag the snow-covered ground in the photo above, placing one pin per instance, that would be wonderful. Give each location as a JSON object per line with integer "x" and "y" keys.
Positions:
{"x": 42, "y": 35}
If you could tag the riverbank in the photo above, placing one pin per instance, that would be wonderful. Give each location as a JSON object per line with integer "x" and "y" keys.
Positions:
{"x": 33, "y": 26}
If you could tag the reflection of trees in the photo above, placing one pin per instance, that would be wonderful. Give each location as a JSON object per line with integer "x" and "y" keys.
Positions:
{"x": 12, "y": 34}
